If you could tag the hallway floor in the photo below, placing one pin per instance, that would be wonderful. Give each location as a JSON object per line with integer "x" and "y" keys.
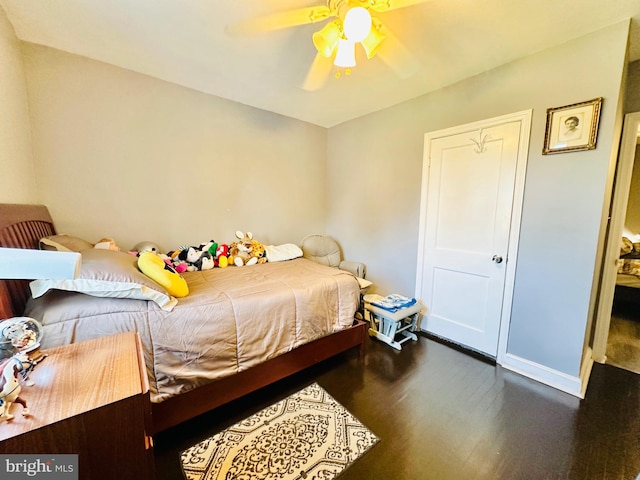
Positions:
{"x": 623, "y": 343}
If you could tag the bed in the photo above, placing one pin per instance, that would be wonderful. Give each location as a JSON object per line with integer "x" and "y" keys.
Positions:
{"x": 629, "y": 264}
{"x": 628, "y": 274}
{"x": 239, "y": 329}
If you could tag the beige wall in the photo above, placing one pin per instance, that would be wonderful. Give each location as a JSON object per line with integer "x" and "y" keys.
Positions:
{"x": 632, "y": 218}
{"x": 632, "y": 105}
{"x": 632, "y": 101}
{"x": 376, "y": 166}
{"x": 17, "y": 179}
{"x": 123, "y": 155}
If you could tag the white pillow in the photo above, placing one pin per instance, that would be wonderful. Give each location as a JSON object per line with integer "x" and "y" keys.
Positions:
{"x": 279, "y": 253}
{"x": 105, "y": 273}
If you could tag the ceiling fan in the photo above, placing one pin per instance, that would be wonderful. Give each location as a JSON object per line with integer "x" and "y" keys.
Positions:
{"x": 350, "y": 22}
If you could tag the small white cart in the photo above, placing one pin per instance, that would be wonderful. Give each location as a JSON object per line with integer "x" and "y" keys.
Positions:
{"x": 386, "y": 325}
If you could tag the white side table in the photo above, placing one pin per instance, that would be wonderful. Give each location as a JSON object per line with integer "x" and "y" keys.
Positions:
{"x": 386, "y": 325}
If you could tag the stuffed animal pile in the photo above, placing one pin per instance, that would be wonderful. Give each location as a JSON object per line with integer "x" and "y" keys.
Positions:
{"x": 193, "y": 258}
{"x": 247, "y": 251}
{"x": 208, "y": 255}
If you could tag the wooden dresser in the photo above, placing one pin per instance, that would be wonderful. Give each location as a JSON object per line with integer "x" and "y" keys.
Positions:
{"x": 91, "y": 399}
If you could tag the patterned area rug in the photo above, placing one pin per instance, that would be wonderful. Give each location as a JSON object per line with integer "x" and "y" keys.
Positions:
{"x": 305, "y": 436}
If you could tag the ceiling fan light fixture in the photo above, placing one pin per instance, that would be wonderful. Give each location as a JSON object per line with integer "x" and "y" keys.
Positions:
{"x": 357, "y": 24}
{"x": 326, "y": 40}
{"x": 346, "y": 54}
{"x": 372, "y": 42}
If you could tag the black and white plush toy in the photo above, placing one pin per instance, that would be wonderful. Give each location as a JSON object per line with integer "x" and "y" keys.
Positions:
{"x": 205, "y": 262}
{"x": 200, "y": 257}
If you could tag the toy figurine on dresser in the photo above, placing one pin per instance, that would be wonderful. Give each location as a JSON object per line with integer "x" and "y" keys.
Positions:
{"x": 20, "y": 349}
{"x": 10, "y": 388}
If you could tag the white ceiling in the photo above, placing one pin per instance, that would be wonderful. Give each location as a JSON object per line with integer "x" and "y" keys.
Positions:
{"x": 185, "y": 42}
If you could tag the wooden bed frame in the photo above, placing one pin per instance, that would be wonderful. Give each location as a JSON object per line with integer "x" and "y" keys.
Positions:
{"x": 22, "y": 226}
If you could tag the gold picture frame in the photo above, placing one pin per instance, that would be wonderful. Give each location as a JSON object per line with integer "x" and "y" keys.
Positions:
{"x": 573, "y": 127}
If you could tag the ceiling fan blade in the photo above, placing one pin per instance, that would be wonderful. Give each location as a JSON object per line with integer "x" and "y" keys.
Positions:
{"x": 318, "y": 73}
{"x": 396, "y": 56}
{"x": 386, "y": 5}
{"x": 279, "y": 21}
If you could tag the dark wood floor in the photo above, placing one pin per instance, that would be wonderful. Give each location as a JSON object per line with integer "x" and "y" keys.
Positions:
{"x": 443, "y": 414}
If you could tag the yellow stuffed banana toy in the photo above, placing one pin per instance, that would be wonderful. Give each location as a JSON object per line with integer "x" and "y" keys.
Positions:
{"x": 157, "y": 270}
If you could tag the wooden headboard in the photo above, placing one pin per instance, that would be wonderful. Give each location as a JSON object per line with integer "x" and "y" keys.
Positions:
{"x": 21, "y": 226}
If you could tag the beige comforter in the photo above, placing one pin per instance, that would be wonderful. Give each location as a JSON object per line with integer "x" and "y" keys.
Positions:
{"x": 233, "y": 318}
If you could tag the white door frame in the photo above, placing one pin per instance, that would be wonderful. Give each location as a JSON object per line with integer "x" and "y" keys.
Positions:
{"x": 624, "y": 171}
{"x": 518, "y": 193}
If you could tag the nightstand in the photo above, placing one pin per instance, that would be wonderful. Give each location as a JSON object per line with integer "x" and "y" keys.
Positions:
{"x": 92, "y": 399}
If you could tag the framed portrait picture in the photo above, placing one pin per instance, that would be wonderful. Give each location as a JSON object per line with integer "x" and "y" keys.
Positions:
{"x": 572, "y": 127}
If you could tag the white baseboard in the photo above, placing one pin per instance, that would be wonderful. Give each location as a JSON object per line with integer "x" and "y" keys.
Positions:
{"x": 585, "y": 371}
{"x": 576, "y": 386}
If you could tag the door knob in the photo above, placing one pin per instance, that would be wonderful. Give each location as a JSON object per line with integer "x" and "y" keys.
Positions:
{"x": 497, "y": 259}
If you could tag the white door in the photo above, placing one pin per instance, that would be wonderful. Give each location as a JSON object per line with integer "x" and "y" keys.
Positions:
{"x": 473, "y": 177}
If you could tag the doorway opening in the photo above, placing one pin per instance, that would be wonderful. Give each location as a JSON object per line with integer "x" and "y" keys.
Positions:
{"x": 617, "y": 329}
